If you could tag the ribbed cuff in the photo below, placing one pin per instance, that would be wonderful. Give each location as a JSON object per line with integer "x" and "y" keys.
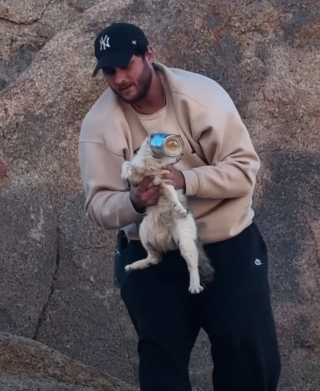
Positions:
{"x": 192, "y": 182}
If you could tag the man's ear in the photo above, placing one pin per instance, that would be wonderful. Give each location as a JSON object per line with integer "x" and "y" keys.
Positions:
{"x": 149, "y": 55}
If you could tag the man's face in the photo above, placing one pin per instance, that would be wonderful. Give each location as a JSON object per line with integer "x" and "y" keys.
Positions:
{"x": 132, "y": 83}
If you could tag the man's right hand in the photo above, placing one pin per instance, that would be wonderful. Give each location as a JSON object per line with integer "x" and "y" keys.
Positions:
{"x": 144, "y": 195}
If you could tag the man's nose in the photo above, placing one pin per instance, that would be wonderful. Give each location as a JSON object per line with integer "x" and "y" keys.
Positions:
{"x": 120, "y": 76}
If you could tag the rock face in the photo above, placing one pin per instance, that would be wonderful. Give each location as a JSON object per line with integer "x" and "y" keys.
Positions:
{"x": 29, "y": 365}
{"x": 56, "y": 269}
{"x": 25, "y": 27}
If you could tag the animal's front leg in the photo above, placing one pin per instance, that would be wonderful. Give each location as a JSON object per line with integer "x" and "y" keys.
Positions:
{"x": 176, "y": 204}
{"x": 126, "y": 171}
{"x": 158, "y": 180}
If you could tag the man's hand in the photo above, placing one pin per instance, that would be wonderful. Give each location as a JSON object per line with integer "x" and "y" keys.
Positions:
{"x": 144, "y": 195}
{"x": 175, "y": 178}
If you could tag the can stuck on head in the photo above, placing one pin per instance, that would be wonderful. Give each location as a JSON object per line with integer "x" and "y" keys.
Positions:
{"x": 164, "y": 144}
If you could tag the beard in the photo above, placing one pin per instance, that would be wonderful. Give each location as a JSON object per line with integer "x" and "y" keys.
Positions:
{"x": 142, "y": 85}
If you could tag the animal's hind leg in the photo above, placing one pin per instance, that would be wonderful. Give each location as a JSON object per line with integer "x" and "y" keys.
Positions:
{"x": 185, "y": 236}
{"x": 152, "y": 259}
{"x": 189, "y": 252}
{"x": 153, "y": 256}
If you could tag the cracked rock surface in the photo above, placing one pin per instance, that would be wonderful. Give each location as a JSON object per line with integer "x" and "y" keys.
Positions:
{"x": 56, "y": 268}
{"x": 29, "y": 365}
{"x": 26, "y": 26}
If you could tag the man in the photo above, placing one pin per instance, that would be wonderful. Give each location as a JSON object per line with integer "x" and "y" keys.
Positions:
{"x": 218, "y": 174}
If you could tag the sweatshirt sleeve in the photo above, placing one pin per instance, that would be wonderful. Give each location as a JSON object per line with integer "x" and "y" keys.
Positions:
{"x": 107, "y": 203}
{"x": 225, "y": 141}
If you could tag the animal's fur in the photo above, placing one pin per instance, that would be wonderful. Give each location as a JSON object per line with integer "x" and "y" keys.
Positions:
{"x": 168, "y": 225}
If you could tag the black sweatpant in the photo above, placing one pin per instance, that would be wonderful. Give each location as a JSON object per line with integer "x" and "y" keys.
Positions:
{"x": 234, "y": 310}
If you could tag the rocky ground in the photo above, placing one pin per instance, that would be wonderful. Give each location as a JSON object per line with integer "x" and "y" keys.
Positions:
{"x": 56, "y": 271}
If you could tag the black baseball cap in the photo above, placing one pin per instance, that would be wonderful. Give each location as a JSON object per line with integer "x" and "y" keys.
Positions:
{"x": 115, "y": 45}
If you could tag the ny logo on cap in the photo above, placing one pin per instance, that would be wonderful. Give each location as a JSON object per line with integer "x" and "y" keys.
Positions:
{"x": 104, "y": 42}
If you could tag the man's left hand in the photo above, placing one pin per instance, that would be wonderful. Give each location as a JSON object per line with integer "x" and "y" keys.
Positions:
{"x": 174, "y": 178}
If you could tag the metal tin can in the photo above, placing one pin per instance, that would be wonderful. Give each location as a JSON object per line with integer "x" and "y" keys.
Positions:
{"x": 164, "y": 144}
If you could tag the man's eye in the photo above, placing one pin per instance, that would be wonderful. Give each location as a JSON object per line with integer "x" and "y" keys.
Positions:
{"x": 126, "y": 67}
{"x": 108, "y": 71}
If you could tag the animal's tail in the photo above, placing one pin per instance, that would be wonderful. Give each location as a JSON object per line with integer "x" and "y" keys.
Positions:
{"x": 206, "y": 270}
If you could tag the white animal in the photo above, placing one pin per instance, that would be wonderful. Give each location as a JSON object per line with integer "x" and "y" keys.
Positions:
{"x": 168, "y": 225}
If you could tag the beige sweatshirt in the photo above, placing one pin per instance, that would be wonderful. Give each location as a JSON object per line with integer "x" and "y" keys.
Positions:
{"x": 219, "y": 162}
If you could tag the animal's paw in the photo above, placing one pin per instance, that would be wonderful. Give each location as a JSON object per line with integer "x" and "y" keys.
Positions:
{"x": 195, "y": 288}
{"x": 157, "y": 181}
{"x": 126, "y": 172}
{"x": 144, "y": 263}
{"x": 180, "y": 210}
{"x": 162, "y": 172}
{"x": 128, "y": 268}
